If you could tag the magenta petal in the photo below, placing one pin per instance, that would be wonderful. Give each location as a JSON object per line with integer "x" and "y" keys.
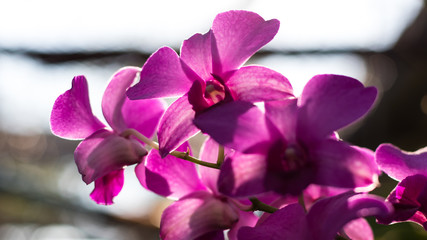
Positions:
{"x": 329, "y": 215}
{"x": 197, "y": 54}
{"x": 143, "y": 115}
{"x": 195, "y": 215}
{"x": 209, "y": 153}
{"x": 399, "y": 164}
{"x": 176, "y": 126}
{"x": 115, "y": 96}
{"x": 341, "y": 165}
{"x": 171, "y": 176}
{"x": 104, "y": 152}
{"x": 256, "y": 84}
{"x": 286, "y": 223}
{"x": 161, "y": 76}
{"x": 330, "y": 102}
{"x": 238, "y": 35}
{"x": 359, "y": 229}
{"x": 243, "y": 175}
{"x": 283, "y": 116}
{"x": 246, "y": 219}
{"x": 232, "y": 125}
{"x": 72, "y": 115}
{"x": 107, "y": 187}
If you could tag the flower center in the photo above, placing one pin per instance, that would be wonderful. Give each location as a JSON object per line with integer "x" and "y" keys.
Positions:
{"x": 293, "y": 158}
{"x": 214, "y": 91}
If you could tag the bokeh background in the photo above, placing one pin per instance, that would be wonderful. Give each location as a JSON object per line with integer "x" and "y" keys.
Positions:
{"x": 43, "y": 44}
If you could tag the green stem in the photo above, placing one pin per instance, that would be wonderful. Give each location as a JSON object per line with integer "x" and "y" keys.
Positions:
{"x": 302, "y": 202}
{"x": 221, "y": 155}
{"x": 258, "y": 205}
{"x": 183, "y": 155}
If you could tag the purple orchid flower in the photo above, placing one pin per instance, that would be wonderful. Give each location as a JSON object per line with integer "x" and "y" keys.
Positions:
{"x": 293, "y": 144}
{"x": 208, "y": 73}
{"x": 409, "y": 198}
{"x": 323, "y": 221}
{"x": 200, "y": 211}
{"x": 103, "y": 153}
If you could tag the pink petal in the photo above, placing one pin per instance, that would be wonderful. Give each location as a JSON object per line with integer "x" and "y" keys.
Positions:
{"x": 329, "y": 215}
{"x": 330, "y": 102}
{"x": 246, "y": 219}
{"x": 209, "y": 153}
{"x": 243, "y": 175}
{"x": 197, "y": 54}
{"x": 400, "y": 164}
{"x": 238, "y": 35}
{"x": 359, "y": 229}
{"x": 232, "y": 125}
{"x": 115, "y": 96}
{"x": 107, "y": 187}
{"x": 286, "y": 223}
{"x": 72, "y": 115}
{"x": 143, "y": 115}
{"x": 176, "y": 126}
{"x": 341, "y": 165}
{"x": 161, "y": 76}
{"x": 256, "y": 84}
{"x": 283, "y": 116}
{"x": 170, "y": 176}
{"x": 104, "y": 152}
{"x": 195, "y": 215}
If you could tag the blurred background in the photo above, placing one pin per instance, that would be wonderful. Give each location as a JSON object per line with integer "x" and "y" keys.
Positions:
{"x": 43, "y": 44}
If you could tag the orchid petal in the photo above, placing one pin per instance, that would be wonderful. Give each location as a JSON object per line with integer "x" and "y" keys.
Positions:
{"x": 246, "y": 219}
{"x": 256, "y": 84}
{"x": 359, "y": 229}
{"x": 283, "y": 116}
{"x": 232, "y": 125}
{"x": 197, "y": 54}
{"x": 176, "y": 126}
{"x": 339, "y": 164}
{"x": 400, "y": 164}
{"x": 72, "y": 115}
{"x": 203, "y": 213}
{"x": 161, "y": 76}
{"x": 209, "y": 153}
{"x": 115, "y": 96}
{"x": 329, "y": 215}
{"x": 408, "y": 199}
{"x": 286, "y": 223}
{"x": 238, "y": 35}
{"x": 107, "y": 187}
{"x": 169, "y": 177}
{"x": 104, "y": 152}
{"x": 243, "y": 175}
{"x": 330, "y": 102}
{"x": 143, "y": 115}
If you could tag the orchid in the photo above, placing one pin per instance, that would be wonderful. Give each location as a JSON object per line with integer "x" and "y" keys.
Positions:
{"x": 201, "y": 212}
{"x": 103, "y": 153}
{"x": 323, "y": 221}
{"x": 294, "y": 143}
{"x": 208, "y": 73}
{"x": 409, "y": 198}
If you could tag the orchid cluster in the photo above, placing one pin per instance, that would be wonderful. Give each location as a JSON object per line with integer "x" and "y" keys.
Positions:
{"x": 272, "y": 165}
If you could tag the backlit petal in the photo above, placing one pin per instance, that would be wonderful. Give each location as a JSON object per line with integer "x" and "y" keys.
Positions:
{"x": 104, "y": 152}
{"x": 238, "y": 35}
{"x": 197, "y": 54}
{"x": 161, "y": 76}
{"x": 72, "y": 115}
{"x": 176, "y": 126}
{"x": 107, "y": 187}
{"x": 330, "y": 102}
{"x": 195, "y": 215}
{"x": 256, "y": 84}
{"x": 170, "y": 176}
{"x": 400, "y": 164}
